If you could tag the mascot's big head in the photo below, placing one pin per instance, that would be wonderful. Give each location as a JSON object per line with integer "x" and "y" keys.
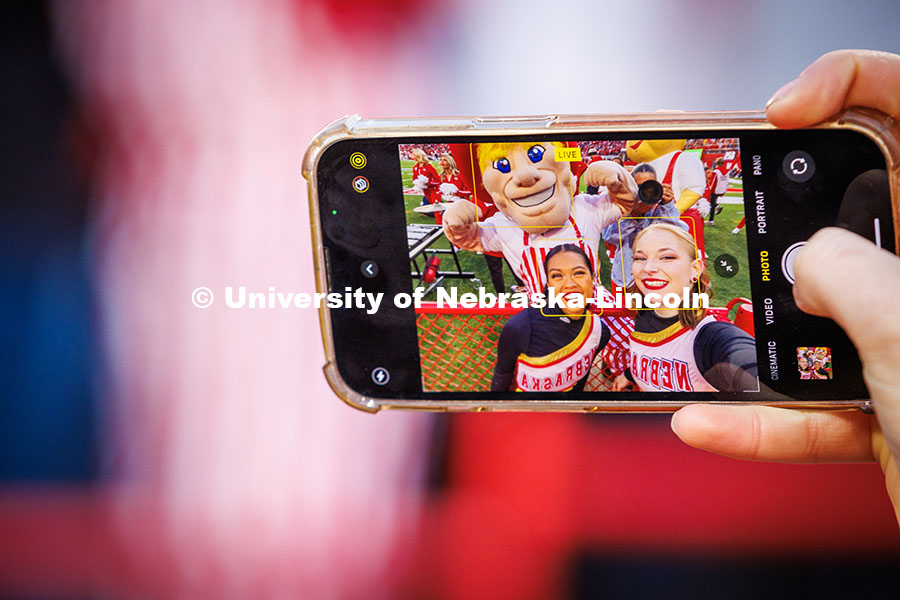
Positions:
{"x": 646, "y": 150}
{"x": 527, "y": 184}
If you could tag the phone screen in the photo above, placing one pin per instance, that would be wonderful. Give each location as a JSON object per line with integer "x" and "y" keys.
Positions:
{"x": 582, "y": 265}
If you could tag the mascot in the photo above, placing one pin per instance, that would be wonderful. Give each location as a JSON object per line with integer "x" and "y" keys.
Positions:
{"x": 536, "y": 206}
{"x": 531, "y": 206}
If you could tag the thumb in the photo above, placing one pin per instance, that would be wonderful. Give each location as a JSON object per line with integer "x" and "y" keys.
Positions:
{"x": 835, "y": 81}
{"x": 843, "y": 276}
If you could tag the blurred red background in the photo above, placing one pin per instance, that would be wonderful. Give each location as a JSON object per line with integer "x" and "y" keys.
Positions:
{"x": 153, "y": 450}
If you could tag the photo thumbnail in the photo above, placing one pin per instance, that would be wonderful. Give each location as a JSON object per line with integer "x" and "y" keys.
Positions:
{"x": 814, "y": 362}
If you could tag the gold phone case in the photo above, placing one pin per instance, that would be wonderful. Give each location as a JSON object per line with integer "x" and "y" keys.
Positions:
{"x": 878, "y": 127}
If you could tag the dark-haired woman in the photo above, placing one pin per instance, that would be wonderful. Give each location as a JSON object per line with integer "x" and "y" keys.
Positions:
{"x": 552, "y": 349}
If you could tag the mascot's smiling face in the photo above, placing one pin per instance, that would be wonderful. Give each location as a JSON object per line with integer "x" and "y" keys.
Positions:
{"x": 646, "y": 150}
{"x": 527, "y": 184}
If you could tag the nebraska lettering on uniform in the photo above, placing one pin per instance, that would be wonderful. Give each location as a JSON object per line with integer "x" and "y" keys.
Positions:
{"x": 564, "y": 378}
{"x": 664, "y": 361}
{"x": 560, "y": 371}
{"x": 664, "y": 374}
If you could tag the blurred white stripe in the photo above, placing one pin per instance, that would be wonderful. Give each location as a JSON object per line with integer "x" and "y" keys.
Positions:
{"x": 266, "y": 484}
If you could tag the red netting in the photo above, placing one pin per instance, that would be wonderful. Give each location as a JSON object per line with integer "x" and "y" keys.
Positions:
{"x": 458, "y": 351}
{"x": 458, "y": 347}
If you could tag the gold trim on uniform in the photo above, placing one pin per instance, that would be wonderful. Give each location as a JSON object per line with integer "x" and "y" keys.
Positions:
{"x": 659, "y": 336}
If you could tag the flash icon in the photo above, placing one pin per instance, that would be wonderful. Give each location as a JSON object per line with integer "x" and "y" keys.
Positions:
{"x": 380, "y": 376}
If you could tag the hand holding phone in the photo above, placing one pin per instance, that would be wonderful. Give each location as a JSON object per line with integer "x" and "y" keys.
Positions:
{"x": 729, "y": 330}
{"x": 865, "y": 310}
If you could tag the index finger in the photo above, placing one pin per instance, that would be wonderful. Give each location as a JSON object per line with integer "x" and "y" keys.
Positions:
{"x": 776, "y": 434}
{"x": 838, "y": 80}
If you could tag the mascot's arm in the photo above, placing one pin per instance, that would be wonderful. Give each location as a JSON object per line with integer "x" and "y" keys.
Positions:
{"x": 617, "y": 180}
{"x": 460, "y": 224}
{"x": 686, "y": 200}
{"x": 690, "y": 173}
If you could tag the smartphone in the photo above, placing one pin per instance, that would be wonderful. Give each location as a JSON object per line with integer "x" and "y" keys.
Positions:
{"x": 438, "y": 286}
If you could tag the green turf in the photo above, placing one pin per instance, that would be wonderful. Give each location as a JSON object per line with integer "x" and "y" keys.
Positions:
{"x": 720, "y": 240}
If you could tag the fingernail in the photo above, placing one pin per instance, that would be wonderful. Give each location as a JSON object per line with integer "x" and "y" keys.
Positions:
{"x": 673, "y": 423}
{"x": 781, "y": 93}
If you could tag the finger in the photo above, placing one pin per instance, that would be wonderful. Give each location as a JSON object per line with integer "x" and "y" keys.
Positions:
{"x": 843, "y": 276}
{"x": 835, "y": 81}
{"x": 775, "y": 434}
{"x": 891, "y": 477}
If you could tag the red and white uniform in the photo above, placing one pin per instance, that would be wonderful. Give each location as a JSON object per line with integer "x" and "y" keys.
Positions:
{"x": 721, "y": 182}
{"x": 711, "y": 181}
{"x": 664, "y": 361}
{"x": 461, "y": 192}
{"x": 432, "y": 188}
{"x": 458, "y": 182}
{"x": 526, "y": 252}
{"x": 561, "y": 370}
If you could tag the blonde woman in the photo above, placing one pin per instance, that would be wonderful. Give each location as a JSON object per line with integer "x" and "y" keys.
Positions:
{"x": 452, "y": 186}
{"x": 425, "y": 178}
{"x": 682, "y": 349}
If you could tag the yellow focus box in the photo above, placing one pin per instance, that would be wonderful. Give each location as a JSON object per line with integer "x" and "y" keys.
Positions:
{"x": 566, "y": 154}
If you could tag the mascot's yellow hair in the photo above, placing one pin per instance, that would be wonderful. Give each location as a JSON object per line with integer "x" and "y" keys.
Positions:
{"x": 488, "y": 153}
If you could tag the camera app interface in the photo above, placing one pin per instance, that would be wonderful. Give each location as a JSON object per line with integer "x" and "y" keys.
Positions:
{"x": 581, "y": 266}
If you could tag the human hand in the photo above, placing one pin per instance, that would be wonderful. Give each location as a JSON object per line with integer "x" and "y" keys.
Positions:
{"x": 460, "y": 223}
{"x": 838, "y": 80}
{"x": 835, "y": 81}
{"x": 668, "y": 194}
{"x": 622, "y": 384}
